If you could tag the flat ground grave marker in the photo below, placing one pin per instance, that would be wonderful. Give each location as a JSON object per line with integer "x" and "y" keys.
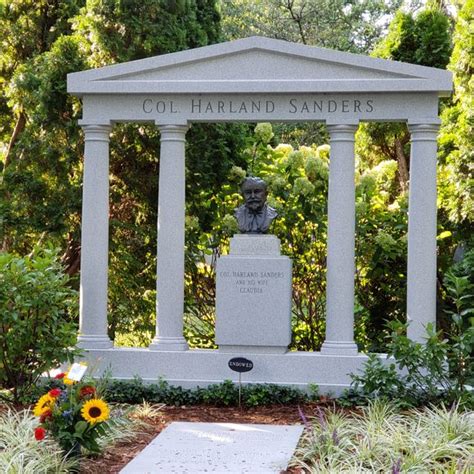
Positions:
{"x": 193, "y": 448}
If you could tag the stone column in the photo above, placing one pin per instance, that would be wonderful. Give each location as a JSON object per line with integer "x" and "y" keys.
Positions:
{"x": 421, "y": 274}
{"x": 170, "y": 254}
{"x": 340, "y": 243}
{"x": 95, "y": 239}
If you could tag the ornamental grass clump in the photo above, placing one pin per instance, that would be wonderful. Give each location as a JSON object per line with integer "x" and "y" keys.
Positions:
{"x": 74, "y": 414}
{"x": 20, "y": 452}
{"x": 380, "y": 438}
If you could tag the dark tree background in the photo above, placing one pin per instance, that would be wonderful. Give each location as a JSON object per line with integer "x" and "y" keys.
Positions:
{"x": 41, "y": 147}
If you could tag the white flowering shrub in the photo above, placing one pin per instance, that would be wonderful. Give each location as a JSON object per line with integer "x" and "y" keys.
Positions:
{"x": 298, "y": 186}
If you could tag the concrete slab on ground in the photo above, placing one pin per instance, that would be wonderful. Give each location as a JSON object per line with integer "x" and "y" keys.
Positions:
{"x": 194, "y": 448}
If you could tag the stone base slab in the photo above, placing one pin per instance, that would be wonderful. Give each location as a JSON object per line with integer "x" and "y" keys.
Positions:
{"x": 224, "y": 448}
{"x": 202, "y": 367}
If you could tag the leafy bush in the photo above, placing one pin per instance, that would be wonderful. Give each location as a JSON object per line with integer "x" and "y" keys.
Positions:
{"x": 442, "y": 369}
{"x": 37, "y": 331}
{"x": 227, "y": 394}
{"x": 221, "y": 394}
{"x": 135, "y": 391}
{"x": 298, "y": 185}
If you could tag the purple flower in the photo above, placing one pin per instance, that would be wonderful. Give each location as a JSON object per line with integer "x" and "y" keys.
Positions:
{"x": 303, "y": 417}
{"x": 397, "y": 467}
{"x": 321, "y": 418}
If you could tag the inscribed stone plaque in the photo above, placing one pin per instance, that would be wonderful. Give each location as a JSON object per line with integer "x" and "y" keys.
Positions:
{"x": 194, "y": 448}
{"x": 253, "y": 296}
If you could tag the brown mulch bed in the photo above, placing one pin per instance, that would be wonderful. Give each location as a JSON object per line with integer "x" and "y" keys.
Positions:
{"x": 114, "y": 459}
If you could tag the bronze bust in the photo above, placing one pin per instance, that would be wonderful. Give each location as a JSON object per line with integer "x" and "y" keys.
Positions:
{"x": 255, "y": 215}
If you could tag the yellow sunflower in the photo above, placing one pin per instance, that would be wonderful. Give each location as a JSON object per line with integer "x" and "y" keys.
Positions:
{"x": 95, "y": 411}
{"x": 45, "y": 403}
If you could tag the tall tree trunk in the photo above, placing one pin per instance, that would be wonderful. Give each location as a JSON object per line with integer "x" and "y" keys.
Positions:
{"x": 402, "y": 160}
{"x": 71, "y": 259}
{"x": 19, "y": 127}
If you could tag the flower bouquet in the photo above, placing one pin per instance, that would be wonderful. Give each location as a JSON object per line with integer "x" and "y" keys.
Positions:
{"x": 74, "y": 414}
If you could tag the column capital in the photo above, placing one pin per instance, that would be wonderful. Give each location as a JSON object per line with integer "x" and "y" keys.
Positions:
{"x": 173, "y": 132}
{"x": 342, "y": 132}
{"x": 96, "y": 132}
{"x": 424, "y": 131}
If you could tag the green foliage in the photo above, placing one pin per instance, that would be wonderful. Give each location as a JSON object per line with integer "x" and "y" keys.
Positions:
{"x": 456, "y": 141}
{"x": 298, "y": 183}
{"x": 432, "y": 39}
{"x": 253, "y": 395}
{"x": 380, "y": 438}
{"x": 118, "y": 31}
{"x": 222, "y": 394}
{"x": 440, "y": 370}
{"x": 263, "y": 394}
{"x": 37, "y": 331}
{"x": 399, "y": 44}
{"x": 339, "y": 24}
{"x": 40, "y": 186}
{"x": 135, "y": 391}
{"x": 421, "y": 39}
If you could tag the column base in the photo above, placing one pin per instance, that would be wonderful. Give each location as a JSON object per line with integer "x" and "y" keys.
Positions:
{"x": 239, "y": 349}
{"x": 94, "y": 342}
{"x": 161, "y": 343}
{"x": 339, "y": 348}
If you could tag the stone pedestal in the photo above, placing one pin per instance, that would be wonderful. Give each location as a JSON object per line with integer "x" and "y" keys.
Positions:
{"x": 253, "y": 296}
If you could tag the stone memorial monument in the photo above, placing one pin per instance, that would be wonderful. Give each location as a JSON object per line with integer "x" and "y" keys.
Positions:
{"x": 253, "y": 282}
{"x": 254, "y": 80}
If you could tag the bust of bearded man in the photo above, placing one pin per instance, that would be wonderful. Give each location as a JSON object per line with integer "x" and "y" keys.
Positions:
{"x": 255, "y": 215}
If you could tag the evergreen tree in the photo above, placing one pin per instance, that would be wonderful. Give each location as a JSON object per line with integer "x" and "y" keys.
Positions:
{"x": 40, "y": 193}
{"x": 419, "y": 39}
{"x": 422, "y": 39}
{"x": 456, "y": 139}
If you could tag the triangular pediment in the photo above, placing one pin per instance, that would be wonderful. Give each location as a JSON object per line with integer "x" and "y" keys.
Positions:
{"x": 260, "y": 65}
